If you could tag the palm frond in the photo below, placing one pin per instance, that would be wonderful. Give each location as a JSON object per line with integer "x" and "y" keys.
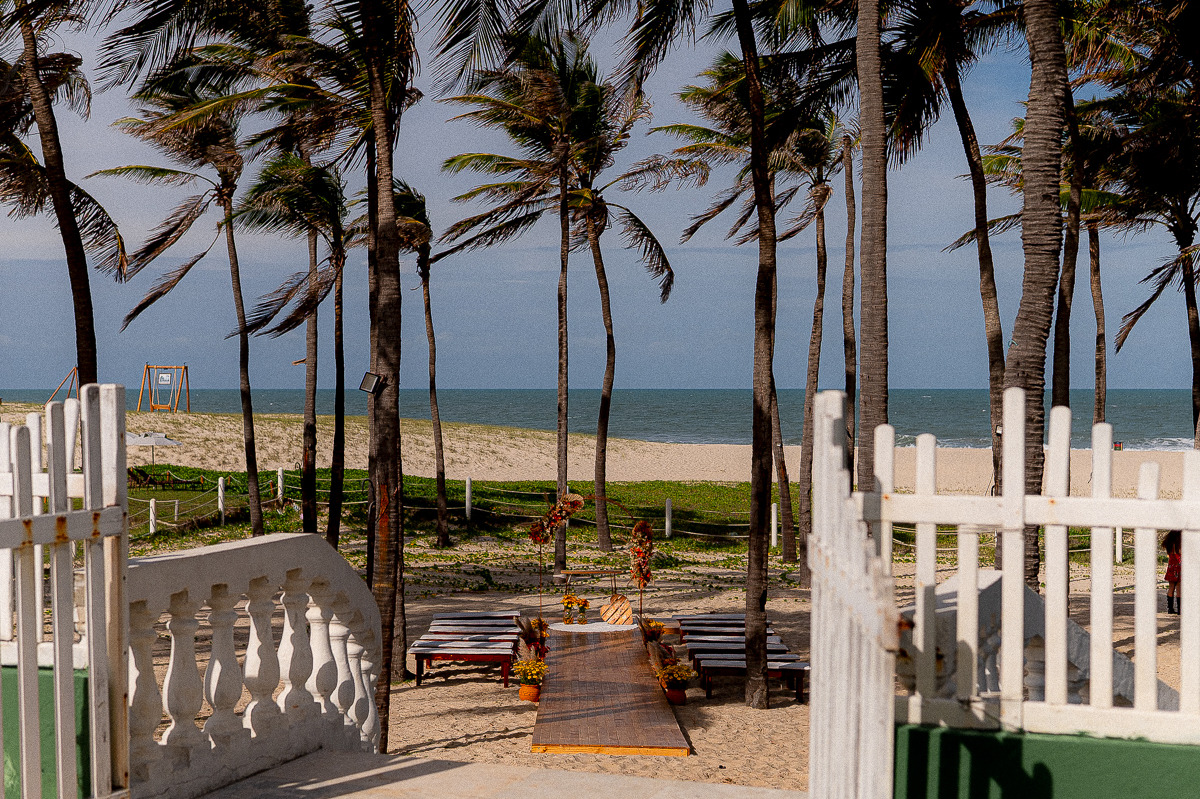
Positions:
{"x": 177, "y": 223}
{"x": 638, "y": 236}
{"x": 164, "y": 285}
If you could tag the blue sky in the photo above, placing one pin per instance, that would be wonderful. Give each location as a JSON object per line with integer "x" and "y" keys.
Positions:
{"x": 494, "y": 310}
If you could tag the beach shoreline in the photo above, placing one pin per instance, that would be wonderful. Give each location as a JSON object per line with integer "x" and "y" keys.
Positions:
{"x": 488, "y": 453}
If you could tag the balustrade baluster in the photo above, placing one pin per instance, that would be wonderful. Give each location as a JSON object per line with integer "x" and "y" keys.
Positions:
{"x": 145, "y": 702}
{"x": 184, "y": 689}
{"x": 323, "y": 680}
{"x": 370, "y": 671}
{"x": 223, "y": 678}
{"x": 262, "y": 662}
{"x": 295, "y": 650}
{"x": 339, "y": 635}
{"x": 354, "y": 651}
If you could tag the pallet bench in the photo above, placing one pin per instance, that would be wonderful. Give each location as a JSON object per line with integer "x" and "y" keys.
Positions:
{"x": 500, "y": 652}
{"x": 730, "y": 650}
{"x": 786, "y": 667}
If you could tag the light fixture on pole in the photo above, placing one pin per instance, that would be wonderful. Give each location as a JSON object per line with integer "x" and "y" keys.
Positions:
{"x": 371, "y": 383}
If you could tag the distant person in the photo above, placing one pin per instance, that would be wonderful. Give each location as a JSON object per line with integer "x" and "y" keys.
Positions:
{"x": 1173, "y": 543}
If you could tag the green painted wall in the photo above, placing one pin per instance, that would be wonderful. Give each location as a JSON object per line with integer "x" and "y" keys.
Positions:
{"x": 941, "y": 763}
{"x": 12, "y": 774}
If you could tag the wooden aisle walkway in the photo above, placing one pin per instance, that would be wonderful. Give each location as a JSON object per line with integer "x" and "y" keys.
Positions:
{"x": 600, "y": 696}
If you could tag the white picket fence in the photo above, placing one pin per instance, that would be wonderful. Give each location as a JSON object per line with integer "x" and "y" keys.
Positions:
{"x": 854, "y": 631}
{"x": 1032, "y": 683}
{"x": 85, "y": 630}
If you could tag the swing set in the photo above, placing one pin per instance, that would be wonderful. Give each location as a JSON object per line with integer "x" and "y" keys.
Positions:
{"x": 164, "y": 386}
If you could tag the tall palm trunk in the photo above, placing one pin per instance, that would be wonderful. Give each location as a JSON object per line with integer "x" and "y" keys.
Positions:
{"x": 764, "y": 354}
{"x": 308, "y": 473}
{"x": 373, "y": 357}
{"x": 849, "y": 338}
{"x": 787, "y": 514}
{"x": 387, "y": 578}
{"x": 1060, "y": 386}
{"x": 873, "y": 402}
{"x": 1101, "y": 396}
{"x": 1193, "y": 323}
{"x": 993, "y": 328}
{"x": 86, "y": 358}
{"x": 225, "y": 199}
{"x": 1041, "y": 235}
{"x": 560, "y": 535}
{"x": 814, "y": 371}
{"x": 439, "y": 461}
{"x": 603, "y": 535}
{"x": 337, "y": 461}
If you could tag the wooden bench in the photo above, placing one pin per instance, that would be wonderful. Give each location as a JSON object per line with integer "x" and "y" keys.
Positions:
{"x": 501, "y": 652}
{"x": 786, "y": 667}
{"x": 732, "y": 650}
{"x": 482, "y": 615}
{"x": 564, "y": 577}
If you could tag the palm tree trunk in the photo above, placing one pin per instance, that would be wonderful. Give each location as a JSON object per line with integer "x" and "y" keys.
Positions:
{"x": 1041, "y": 236}
{"x": 308, "y": 473}
{"x": 603, "y": 535}
{"x": 373, "y": 335}
{"x": 849, "y": 338}
{"x": 1060, "y": 386}
{"x": 387, "y": 578}
{"x": 337, "y": 461}
{"x": 993, "y": 328}
{"x": 787, "y": 513}
{"x": 439, "y": 461}
{"x": 810, "y": 383}
{"x": 764, "y": 354}
{"x": 1193, "y": 322}
{"x": 873, "y": 402}
{"x": 225, "y": 199}
{"x": 1101, "y": 395}
{"x": 560, "y": 535}
{"x": 64, "y": 211}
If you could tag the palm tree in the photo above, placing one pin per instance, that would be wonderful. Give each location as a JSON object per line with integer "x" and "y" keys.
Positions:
{"x": 936, "y": 42}
{"x": 805, "y": 154}
{"x": 849, "y": 339}
{"x": 170, "y": 123}
{"x": 541, "y": 100}
{"x": 35, "y": 24}
{"x": 294, "y": 198}
{"x": 1041, "y": 236}
{"x": 613, "y": 122}
{"x": 24, "y": 185}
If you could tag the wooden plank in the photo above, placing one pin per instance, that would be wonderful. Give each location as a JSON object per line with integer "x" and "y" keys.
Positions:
{"x": 600, "y": 696}
{"x": 62, "y": 604}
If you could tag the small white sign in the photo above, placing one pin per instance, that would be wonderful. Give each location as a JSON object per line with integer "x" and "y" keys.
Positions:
{"x": 164, "y": 378}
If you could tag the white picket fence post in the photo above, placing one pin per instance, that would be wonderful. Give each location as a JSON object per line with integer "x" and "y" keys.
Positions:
{"x": 667, "y": 518}
{"x": 221, "y": 498}
{"x": 279, "y": 481}
{"x": 468, "y": 508}
{"x": 153, "y": 516}
{"x": 774, "y": 525}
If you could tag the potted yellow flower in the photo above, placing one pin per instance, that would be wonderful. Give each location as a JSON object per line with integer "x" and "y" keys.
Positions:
{"x": 674, "y": 679}
{"x": 530, "y": 673}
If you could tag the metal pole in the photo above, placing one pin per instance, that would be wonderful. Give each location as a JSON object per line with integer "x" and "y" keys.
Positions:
{"x": 468, "y": 499}
{"x": 221, "y": 498}
{"x": 667, "y": 518}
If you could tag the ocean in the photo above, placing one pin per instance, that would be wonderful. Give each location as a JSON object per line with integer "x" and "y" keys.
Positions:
{"x": 1141, "y": 418}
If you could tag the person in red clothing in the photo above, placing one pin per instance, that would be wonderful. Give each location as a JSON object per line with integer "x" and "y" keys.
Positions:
{"x": 1173, "y": 543}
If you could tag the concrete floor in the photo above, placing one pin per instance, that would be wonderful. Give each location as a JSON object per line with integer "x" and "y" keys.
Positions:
{"x": 325, "y": 775}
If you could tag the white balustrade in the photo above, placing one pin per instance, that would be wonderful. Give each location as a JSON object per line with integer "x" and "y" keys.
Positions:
{"x": 323, "y": 669}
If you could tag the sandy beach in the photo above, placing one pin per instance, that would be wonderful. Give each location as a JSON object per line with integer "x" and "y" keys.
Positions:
{"x": 214, "y": 441}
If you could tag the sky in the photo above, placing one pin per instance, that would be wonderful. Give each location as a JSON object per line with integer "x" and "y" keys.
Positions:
{"x": 495, "y": 310}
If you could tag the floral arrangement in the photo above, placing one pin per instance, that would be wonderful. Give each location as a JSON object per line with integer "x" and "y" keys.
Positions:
{"x": 541, "y": 529}
{"x": 533, "y": 635}
{"x": 677, "y": 674}
{"x": 571, "y": 601}
{"x": 641, "y": 549}
{"x": 530, "y": 671}
{"x": 651, "y": 630}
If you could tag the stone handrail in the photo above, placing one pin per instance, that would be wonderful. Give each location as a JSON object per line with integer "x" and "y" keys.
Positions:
{"x": 315, "y": 690}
